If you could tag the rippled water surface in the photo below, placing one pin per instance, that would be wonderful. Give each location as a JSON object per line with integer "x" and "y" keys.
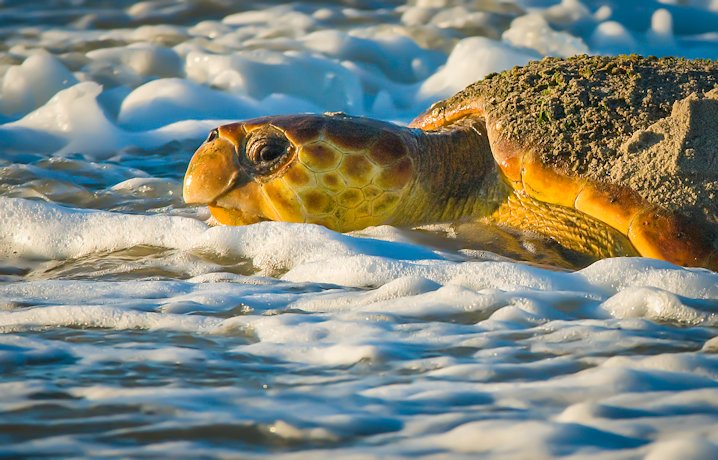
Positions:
{"x": 132, "y": 328}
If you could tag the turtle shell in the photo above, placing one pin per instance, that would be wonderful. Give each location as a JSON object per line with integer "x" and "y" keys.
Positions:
{"x": 622, "y": 139}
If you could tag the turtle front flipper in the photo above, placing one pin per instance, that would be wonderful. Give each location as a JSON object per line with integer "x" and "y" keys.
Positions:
{"x": 654, "y": 231}
{"x": 570, "y": 228}
{"x": 661, "y": 234}
{"x": 546, "y": 195}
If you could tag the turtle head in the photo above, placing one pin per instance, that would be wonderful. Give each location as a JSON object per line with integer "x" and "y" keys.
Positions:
{"x": 342, "y": 172}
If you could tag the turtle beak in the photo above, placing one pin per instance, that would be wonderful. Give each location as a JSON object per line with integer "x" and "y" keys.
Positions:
{"x": 213, "y": 171}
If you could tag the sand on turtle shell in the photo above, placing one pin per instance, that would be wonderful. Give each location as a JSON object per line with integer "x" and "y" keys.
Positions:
{"x": 576, "y": 114}
{"x": 674, "y": 162}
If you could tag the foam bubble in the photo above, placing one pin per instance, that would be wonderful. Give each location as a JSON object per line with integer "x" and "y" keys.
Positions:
{"x": 260, "y": 74}
{"x": 74, "y": 117}
{"x": 143, "y": 59}
{"x": 161, "y": 102}
{"x": 471, "y": 59}
{"x": 612, "y": 36}
{"x": 48, "y": 231}
{"x": 688, "y": 447}
{"x": 661, "y": 35}
{"x": 29, "y": 85}
{"x": 532, "y": 31}
{"x": 657, "y": 305}
{"x": 91, "y": 316}
{"x": 568, "y": 13}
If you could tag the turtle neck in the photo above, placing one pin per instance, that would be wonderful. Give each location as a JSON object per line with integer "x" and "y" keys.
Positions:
{"x": 456, "y": 176}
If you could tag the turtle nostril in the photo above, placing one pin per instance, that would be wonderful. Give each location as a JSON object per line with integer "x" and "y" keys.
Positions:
{"x": 212, "y": 135}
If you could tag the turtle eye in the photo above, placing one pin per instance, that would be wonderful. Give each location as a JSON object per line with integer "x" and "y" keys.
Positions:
{"x": 266, "y": 147}
{"x": 272, "y": 151}
{"x": 212, "y": 135}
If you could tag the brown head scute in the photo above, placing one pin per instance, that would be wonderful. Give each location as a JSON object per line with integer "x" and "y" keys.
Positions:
{"x": 387, "y": 149}
{"x": 352, "y": 139}
{"x": 332, "y": 182}
{"x": 357, "y": 169}
{"x": 350, "y": 198}
{"x": 317, "y": 201}
{"x": 299, "y": 177}
{"x": 396, "y": 175}
{"x": 319, "y": 156}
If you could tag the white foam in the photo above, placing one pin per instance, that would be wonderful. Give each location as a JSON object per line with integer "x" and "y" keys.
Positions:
{"x": 143, "y": 59}
{"x": 498, "y": 438}
{"x": 657, "y": 305}
{"x": 368, "y": 270}
{"x": 31, "y": 84}
{"x": 259, "y": 74}
{"x": 73, "y": 116}
{"x": 613, "y": 275}
{"x": 532, "y": 31}
{"x": 699, "y": 365}
{"x": 662, "y": 23}
{"x": 568, "y": 13}
{"x": 471, "y": 59}
{"x": 399, "y": 58}
{"x": 688, "y": 447}
{"x": 282, "y": 17}
{"x": 612, "y": 36}
{"x": 98, "y": 316}
{"x": 73, "y": 121}
{"x": 48, "y": 231}
{"x": 74, "y": 292}
{"x": 18, "y": 351}
{"x": 150, "y": 187}
{"x": 315, "y": 254}
{"x": 161, "y": 102}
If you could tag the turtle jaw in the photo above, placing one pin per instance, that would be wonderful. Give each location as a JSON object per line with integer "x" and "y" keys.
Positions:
{"x": 212, "y": 171}
{"x": 215, "y": 178}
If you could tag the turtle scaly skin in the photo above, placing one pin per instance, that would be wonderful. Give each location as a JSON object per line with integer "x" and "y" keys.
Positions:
{"x": 538, "y": 148}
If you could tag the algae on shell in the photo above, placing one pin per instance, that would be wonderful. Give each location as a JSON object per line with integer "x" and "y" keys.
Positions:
{"x": 587, "y": 116}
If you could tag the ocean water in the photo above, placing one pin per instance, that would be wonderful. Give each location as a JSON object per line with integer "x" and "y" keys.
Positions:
{"x": 132, "y": 328}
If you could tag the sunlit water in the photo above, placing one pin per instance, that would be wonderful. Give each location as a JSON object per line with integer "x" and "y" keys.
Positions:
{"x": 132, "y": 328}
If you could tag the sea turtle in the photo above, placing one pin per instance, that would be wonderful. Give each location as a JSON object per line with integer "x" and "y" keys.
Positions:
{"x": 607, "y": 156}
